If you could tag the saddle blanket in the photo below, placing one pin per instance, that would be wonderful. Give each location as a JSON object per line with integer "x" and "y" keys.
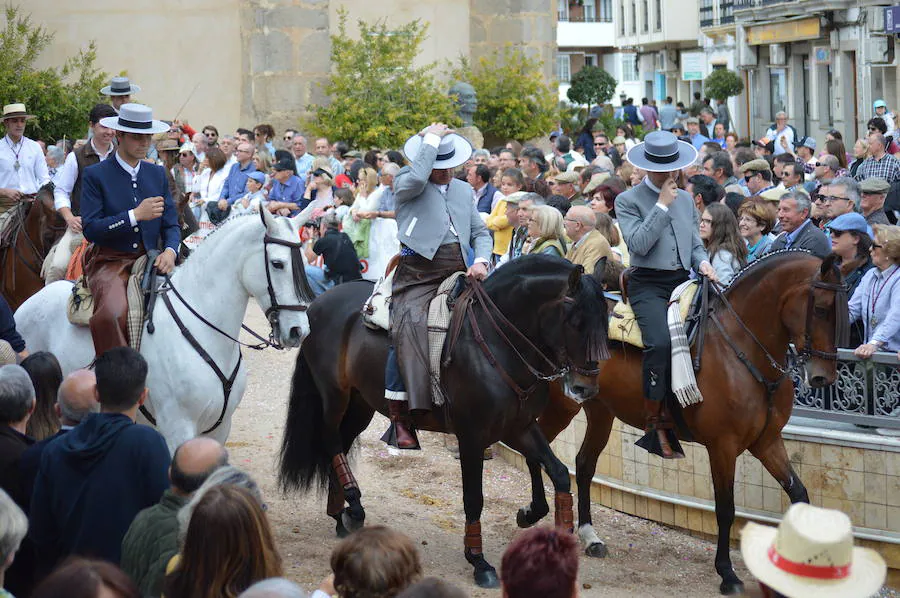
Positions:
{"x": 376, "y": 315}
{"x": 80, "y": 307}
{"x": 623, "y": 325}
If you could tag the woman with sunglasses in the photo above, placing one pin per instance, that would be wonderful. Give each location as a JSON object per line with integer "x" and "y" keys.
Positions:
{"x": 851, "y": 242}
{"x": 876, "y": 300}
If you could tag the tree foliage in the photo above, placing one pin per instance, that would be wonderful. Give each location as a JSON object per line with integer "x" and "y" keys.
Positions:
{"x": 591, "y": 85}
{"x": 514, "y": 101}
{"x": 62, "y": 97}
{"x": 721, "y": 84}
{"x": 377, "y": 97}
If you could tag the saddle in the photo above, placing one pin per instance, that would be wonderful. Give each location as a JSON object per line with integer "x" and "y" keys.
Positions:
{"x": 142, "y": 290}
{"x": 623, "y": 326}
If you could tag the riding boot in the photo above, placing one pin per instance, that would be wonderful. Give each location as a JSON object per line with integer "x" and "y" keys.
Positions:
{"x": 659, "y": 438}
{"x": 401, "y": 434}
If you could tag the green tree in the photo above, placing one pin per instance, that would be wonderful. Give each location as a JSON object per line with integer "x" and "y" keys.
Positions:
{"x": 62, "y": 97}
{"x": 721, "y": 84}
{"x": 377, "y": 97}
{"x": 591, "y": 85}
{"x": 514, "y": 102}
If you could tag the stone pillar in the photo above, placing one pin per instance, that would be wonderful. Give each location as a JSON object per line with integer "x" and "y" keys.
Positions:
{"x": 286, "y": 52}
{"x": 527, "y": 24}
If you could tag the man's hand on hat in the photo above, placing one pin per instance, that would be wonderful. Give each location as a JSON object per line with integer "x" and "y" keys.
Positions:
{"x": 150, "y": 209}
{"x": 439, "y": 129}
{"x": 668, "y": 192}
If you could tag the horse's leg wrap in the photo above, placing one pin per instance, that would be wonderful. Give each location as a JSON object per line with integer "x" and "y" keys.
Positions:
{"x": 342, "y": 470}
{"x": 563, "y": 514}
{"x": 472, "y": 541}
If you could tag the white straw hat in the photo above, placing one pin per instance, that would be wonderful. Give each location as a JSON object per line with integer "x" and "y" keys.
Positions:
{"x": 134, "y": 118}
{"x": 811, "y": 554}
{"x": 453, "y": 150}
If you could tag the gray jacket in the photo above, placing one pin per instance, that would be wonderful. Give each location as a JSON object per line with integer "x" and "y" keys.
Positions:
{"x": 810, "y": 238}
{"x": 424, "y": 214}
{"x": 660, "y": 239}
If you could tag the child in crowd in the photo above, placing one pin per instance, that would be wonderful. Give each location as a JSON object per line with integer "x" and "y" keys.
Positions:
{"x": 255, "y": 198}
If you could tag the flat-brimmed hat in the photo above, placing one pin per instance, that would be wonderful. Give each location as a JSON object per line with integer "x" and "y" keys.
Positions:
{"x": 167, "y": 145}
{"x": 757, "y": 165}
{"x": 515, "y": 198}
{"x": 569, "y": 176}
{"x": 453, "y": 150}
{"x": 851, "y": 221}
{"x": 661, "y": 151}
{"x": 874, "y": 185}
{"x": 596, "y": 180}
{"x": 692, "y": 120}
{"x": 811, "y": 553}
{"x": 15, "y": 111}
{"x": 773, "y": 194}
{"x": 135, "y": 118}
{"x": 120, "y": 86}
{"x": 807, "y": 141}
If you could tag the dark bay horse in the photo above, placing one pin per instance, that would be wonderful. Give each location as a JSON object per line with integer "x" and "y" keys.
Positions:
{"x": 34, "y": 228}
{"x": 555, "y": 328}
{"x": 789, "y": 296}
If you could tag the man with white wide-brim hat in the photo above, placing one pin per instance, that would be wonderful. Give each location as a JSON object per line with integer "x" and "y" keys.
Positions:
{"x": 126, "y": 210}
{"x": 438, "y": 224}
{"x": 661, "y": 228}
{"x": 811, "y": 555}
{"x": 23, "y": 168}
{"x": 119, "y": 90}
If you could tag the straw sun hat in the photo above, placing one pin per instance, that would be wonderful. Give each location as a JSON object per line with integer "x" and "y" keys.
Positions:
{"x": 811, "y": 554}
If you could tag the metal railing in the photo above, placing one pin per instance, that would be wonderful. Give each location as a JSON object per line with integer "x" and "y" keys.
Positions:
{"x": 747, "y": 4}
{"x": 597, "y": 18}
{"x": 866, "y": 392}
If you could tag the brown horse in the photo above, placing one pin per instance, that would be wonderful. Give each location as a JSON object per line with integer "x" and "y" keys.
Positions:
{"x": 34, "y": 228}
{"x": 785, "y": 297}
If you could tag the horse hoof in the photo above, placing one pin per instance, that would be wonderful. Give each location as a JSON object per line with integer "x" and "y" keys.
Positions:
{"x": 340, "y": 530}
{"x": 597, "y": 550}
{"x": 731, "y": 588}
{"x": 522, "y": 518}
{"x": 350, "y": 524}
{"x": 487, "y": 578}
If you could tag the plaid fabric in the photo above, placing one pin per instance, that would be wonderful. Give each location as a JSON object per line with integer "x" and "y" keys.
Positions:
{"x": 888, "y": 168}
{"x": 684, "y": 384}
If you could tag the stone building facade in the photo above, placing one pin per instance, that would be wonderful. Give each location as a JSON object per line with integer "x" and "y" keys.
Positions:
{"x": 240, "y": 62}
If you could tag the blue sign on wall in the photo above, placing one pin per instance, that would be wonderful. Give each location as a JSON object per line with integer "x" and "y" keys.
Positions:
{"x": 892, "y": 19}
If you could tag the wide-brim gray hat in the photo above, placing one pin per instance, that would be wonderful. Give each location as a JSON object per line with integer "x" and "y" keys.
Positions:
{"x": 661, "y": 151}
{"x": 135, "y": 118}
{"x": 120, "y": 86}
{"x": 453, "y": 151}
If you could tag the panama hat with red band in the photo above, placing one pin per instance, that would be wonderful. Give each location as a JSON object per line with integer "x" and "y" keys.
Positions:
{"x": 811, "y": 553}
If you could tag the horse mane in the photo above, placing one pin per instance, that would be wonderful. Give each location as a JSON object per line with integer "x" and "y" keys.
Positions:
{"x": 757, "y": 265}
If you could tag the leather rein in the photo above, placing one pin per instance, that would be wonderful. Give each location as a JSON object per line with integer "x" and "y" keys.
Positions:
{"x": 474, "y": 294}
{"x": 272, "y": 313}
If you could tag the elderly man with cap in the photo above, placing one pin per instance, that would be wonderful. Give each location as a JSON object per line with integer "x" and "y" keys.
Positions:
{"x": 662, "y": 230}
{"x": 287, "y": 189}
{"x": 564, "y": 184}
{"x": 871, "y": 203}
{"x": 758, "y": 176}
{"x": 438, "y": 225}
{"x": 126, "y": 210}
{"x": 23, "y": 168}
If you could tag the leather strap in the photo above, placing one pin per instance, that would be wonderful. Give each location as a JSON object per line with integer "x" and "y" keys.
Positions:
{"x": 472, "y": 540}
{"x": 564, "y": 515}
{"x": 342, "y": 470}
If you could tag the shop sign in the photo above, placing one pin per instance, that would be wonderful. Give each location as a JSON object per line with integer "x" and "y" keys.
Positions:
{"x": 821, "y": 55}
{"x": 892, "y": 19}
{"x": 693, "y": 66}
{"x": 791, "y": 31}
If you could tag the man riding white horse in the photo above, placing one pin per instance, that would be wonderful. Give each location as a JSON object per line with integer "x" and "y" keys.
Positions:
{"x": 438, "y": 224}
{"x": 126, "y": 209}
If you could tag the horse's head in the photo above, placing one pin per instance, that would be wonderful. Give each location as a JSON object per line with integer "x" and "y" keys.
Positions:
{"x": 278, "y": 281}
{"x": 818, "y": 320}
{"x": 583, "y": 332}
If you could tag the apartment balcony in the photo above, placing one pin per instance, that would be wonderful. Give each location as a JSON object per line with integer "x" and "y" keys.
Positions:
{"x": 716, "y": 16}
{"x": 591, "y": 32}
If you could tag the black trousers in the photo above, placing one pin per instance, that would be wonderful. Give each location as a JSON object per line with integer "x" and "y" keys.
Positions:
{"x": 648, "y": 293}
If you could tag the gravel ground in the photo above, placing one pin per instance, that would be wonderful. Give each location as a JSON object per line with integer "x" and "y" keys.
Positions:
{"x": 421, "y": 495}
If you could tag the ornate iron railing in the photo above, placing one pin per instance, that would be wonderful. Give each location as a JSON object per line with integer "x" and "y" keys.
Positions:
{"x": 866, "y": 392}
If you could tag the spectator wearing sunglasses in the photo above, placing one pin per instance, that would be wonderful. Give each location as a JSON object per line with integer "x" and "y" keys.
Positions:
{"x": 758, "y": 176}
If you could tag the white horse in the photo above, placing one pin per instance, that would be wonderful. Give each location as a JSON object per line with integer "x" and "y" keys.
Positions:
{"x": 244, "y": 258}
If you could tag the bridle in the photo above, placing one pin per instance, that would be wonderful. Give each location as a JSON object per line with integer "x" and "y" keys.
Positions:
{"x": 476, "y": 295}
{"x": 301, "y": 285}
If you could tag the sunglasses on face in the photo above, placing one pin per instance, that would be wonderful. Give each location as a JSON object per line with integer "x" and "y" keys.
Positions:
{"x": 747, "y": 177}
{"x": 877, "y": 246}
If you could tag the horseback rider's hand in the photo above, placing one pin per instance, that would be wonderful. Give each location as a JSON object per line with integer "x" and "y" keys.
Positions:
{"x": 150, "y": 208}
{"x": 439, "y": 129}
{"x": 74, "y": 222}
{"x": 223, "y": 204}
{"x": 668, "y": 193}
{"x": 165, "y": 262}
{"x": 478, "y": 270}
{"x": 11, "y": 194}
{"x": 708, "y": 271}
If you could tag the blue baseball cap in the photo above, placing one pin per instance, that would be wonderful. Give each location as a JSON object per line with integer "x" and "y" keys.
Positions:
{"x": 258, "y": 177}
{"x": 880, "y": 104}
{"x": 851, "y": 221}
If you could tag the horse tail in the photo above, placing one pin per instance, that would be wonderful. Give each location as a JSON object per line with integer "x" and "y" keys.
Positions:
{"x": 303, "y": 462}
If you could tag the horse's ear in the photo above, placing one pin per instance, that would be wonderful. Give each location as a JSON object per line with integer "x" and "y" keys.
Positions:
{"x": 600, "y": 270}
{"x": 575, "y": 280}
{"x": 830, "y": 269}
{"x": 268, "y": 219}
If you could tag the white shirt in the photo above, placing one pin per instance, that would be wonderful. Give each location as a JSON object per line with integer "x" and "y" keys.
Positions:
{"x": 209, "y": 185}
{"x": 32, "y": 173}
{"x": 65, "y": 178}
